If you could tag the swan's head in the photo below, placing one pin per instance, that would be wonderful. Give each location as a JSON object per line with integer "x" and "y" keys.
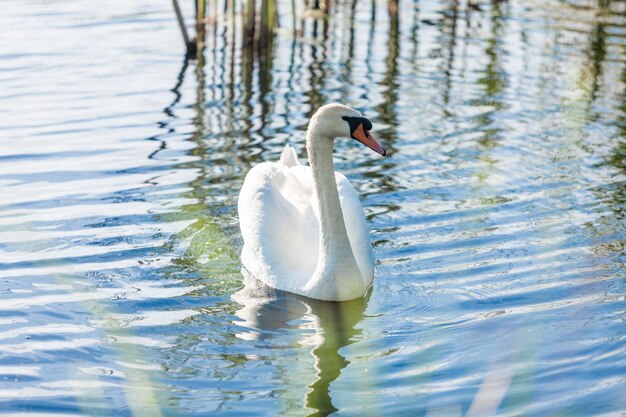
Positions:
{"x": 338, "y": 121}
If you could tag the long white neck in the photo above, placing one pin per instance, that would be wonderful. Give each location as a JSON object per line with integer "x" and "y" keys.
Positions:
{"x": 335, "y": 251}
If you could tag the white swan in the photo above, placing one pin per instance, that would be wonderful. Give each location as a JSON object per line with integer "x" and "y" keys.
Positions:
{"x": 303, "y": 228}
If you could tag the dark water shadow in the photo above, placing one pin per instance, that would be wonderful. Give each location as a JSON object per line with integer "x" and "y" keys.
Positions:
{"x": 267, "y": 313}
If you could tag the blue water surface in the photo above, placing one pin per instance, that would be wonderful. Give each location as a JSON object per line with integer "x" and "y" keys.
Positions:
{"x": 498, "y": 216}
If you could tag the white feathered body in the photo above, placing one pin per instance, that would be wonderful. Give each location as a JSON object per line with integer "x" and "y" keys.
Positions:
{"x": 280, "y": 224}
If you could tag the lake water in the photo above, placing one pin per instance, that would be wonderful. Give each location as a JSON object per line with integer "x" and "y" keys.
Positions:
{"x": 498, "y": 216}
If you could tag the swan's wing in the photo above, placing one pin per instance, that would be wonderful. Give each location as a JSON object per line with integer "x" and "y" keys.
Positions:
{"x": 278, "y": 225}
{"x": 356, "y": 226}
{"x": 288, "y": 156}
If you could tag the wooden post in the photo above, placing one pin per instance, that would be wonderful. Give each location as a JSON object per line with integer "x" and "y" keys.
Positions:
{"x": 200, "y": 29}
{"x": 250, "y": 22}
{"x": 268, "y": 13}
{"x": 191, "y": 45}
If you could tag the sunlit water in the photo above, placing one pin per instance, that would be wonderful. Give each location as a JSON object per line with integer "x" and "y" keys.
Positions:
{"x": 497, "y": 217}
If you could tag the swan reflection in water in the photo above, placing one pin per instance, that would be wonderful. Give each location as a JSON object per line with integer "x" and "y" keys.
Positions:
{"x": 267, "y": 313}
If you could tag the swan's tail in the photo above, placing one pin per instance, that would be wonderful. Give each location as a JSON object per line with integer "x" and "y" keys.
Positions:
{"x": 288, "y": 156}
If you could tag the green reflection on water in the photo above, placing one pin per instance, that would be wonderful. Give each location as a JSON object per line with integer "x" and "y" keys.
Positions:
{"x": 325, "y": 327}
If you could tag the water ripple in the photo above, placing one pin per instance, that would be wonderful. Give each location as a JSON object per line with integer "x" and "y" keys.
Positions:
{"x": 497, "y": 216}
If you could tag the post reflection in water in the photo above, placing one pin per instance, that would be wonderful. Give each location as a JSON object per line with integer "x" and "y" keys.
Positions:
{"x": 325, "y": 327}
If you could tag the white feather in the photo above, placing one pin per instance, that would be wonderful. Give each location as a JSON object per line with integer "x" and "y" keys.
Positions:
{"x": 280, "y": 222}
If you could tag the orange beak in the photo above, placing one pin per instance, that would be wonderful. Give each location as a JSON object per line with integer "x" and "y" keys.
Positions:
{"x": 366, "y": 138}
